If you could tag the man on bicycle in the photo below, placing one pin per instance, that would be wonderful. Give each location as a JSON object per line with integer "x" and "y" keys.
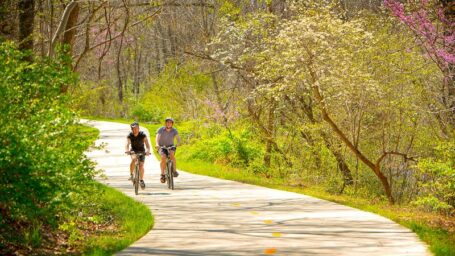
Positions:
{"x": 137, "y": 139}
{"x": 165, "y": 138}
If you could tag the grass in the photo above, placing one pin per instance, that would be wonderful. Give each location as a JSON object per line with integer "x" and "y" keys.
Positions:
{"x": 132, "y": 221}
{"x": 436, "y": 230}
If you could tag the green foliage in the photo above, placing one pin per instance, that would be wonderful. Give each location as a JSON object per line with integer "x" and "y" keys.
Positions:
{"x": 142, "y": 113}
{"x": 374, "y": 82}
{"x": 100, "y": 99}
{"x": 228, "y": 9}
{"x": 436, "y": 180}
{"x": 174, "y": 93}
{"x": 42, "y": 165}
{"x": 431, "y": 203}
{"x": 230, "y": 148}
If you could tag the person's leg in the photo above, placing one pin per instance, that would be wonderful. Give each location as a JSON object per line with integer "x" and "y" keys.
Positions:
{"x": 141, "y": 170}
{"x": 131, "y": 168}
{"x": 141, "y": 173}
{"x": 163, "y": 167}
{"x": 163, "y": 163}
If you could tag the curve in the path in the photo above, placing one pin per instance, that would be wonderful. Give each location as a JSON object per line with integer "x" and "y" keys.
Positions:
{"x": 208, "y": 216}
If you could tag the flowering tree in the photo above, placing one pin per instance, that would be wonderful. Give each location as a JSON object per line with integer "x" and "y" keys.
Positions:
{"x": 434, "y": 27}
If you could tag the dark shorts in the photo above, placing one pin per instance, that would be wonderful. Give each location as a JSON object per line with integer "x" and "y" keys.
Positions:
{"x": 142, "y": 157}
{"x": 163, "y": 151}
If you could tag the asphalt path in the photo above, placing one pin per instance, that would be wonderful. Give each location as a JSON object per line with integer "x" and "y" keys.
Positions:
{"x": 209, "y": 216}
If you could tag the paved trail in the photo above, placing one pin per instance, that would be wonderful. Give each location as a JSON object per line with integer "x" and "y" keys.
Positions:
{"x": 208, "y": 216}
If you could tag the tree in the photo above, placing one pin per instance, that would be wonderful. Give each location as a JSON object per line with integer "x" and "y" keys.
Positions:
{"x": 26, "y": 10}
{"x": 8, "y": 11}
{"x": 433, "y": 24}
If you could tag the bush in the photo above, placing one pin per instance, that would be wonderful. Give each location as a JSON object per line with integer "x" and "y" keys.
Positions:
{"x": 142, "y": 113}
{"x": 431, "y": 203}
{"x": 42, "y": 164}
{"x": 234, "y": 148}
{"x": 436, "y": 179}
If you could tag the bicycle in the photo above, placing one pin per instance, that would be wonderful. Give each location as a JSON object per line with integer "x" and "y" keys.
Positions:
{"x": 136, "y": 175}
{"x": 169, "y": 167}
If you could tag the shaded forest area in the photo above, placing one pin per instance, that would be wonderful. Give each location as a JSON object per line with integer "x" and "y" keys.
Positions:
{"x": 357, "y": 97}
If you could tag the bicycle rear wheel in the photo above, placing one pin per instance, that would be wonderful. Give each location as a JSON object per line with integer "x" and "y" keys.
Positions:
{"x": 136, "y": 180}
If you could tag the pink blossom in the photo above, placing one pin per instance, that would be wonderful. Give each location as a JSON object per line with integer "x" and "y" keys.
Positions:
{"x": 447, "y": 57}
{"x": 439, "y": 43}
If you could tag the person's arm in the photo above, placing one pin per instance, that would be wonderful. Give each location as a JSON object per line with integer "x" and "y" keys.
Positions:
{"x": 128, "y": 143}
{"x": 178, "y": 140}
{"x": 147, "y": 145}
{"x": 157, "y": 140}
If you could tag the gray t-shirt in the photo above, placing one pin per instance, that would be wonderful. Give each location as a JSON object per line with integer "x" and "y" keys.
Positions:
{"x": 166, "y": 137}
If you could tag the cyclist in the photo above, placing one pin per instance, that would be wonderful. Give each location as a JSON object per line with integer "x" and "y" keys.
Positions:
{"x": 165, "y": 138}
{"x": 137, "y": 139}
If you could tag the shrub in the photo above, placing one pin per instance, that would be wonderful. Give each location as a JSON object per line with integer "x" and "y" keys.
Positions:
{"x": 436, "y": 179}
{"x": 142, "y": 113}
{"x": 236, "y": 149}
{"x": 42, "y": 164}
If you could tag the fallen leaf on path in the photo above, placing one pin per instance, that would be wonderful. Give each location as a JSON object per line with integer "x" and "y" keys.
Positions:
{"x": 270, "y": 251}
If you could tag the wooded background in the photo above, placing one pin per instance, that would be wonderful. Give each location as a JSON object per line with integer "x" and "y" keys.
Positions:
{"x": 355, "y": 96}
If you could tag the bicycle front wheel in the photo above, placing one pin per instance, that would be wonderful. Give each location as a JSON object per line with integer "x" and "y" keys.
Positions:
{"x": 170, "y": 177}
{"x": 136, "y": 180}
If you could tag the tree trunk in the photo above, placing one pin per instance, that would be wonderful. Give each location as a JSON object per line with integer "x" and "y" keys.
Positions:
{"x": 277, "y": 7}
{"x": 8, "y": 22}
{"x": 325, "y": 115}
{"x": 137, "y": 71}
{"x": 270, "y": 128}
{"x": 70, "y": 29}
{"x": 62, "y": 26}
{"x": 68, "y": 37}
{"x": 26, "y": 22}
{"x": 119, "y": 73}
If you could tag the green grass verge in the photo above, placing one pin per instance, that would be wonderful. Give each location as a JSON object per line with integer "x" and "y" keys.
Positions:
{"x": 428, "y": 226}
{"x": 131, "y": 219}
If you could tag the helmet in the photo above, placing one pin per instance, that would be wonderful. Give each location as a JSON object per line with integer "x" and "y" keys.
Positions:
{"x": 134, "y": 124}
{"x": 169, "y": 119}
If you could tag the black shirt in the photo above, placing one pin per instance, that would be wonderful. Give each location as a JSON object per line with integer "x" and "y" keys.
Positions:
{"x": 137, "y": 142}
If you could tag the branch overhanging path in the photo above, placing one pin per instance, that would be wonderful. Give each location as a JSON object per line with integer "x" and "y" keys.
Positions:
{"x": 209, "y": 216}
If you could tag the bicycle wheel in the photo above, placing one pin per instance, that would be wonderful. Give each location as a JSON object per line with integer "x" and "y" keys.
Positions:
{"x": 170, "y": 177}
{"x": 136, "y": 180}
